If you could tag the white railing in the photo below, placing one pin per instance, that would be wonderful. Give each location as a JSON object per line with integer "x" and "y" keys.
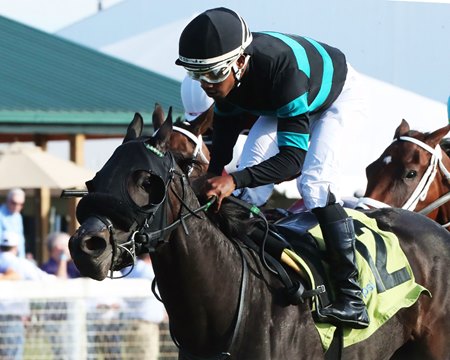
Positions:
{"x": 79, "y": 319}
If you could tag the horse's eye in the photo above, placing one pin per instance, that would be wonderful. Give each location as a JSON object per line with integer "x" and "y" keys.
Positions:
{"x": 411, "y": 174}
{"x": 145, "y": 189}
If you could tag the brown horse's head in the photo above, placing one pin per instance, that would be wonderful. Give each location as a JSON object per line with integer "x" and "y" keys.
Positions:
{"x": 186, "y": 139}
{"x": 403, "y": 167}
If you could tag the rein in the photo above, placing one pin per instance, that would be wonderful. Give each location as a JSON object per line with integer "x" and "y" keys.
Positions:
{"x": 421, "y": 191}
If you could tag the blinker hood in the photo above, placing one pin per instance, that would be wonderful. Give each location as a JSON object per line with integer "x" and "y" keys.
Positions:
{"x": 118, "y": 192}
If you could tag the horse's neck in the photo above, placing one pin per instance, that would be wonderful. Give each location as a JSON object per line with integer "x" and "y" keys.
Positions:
{"x": 198, "y": 276}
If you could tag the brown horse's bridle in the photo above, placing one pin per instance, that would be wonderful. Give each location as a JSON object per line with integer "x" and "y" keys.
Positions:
{"x": 420, "y": 192}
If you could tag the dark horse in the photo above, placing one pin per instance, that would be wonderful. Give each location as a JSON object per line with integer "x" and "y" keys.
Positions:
{"x": 412, "y": 173}
{"x": 219, "y": 297}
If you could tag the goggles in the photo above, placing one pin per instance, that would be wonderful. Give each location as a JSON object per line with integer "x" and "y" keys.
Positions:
{"x": 212, "y": 76}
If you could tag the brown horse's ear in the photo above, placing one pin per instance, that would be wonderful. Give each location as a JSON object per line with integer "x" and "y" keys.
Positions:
{"x": 158, "y": 117}
{"x": 402, "y": 129}
{"x": 436, "y": 136}
{"x": 203, "y": 122}
{"x": 162, "y": 136}
{"x": 135, "y": 128}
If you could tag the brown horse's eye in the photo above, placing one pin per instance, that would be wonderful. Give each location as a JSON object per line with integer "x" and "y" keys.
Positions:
{"x": 411, "y": 174}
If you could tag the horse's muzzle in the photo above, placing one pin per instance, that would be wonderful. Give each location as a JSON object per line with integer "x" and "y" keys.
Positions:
{"x": 91, "y": 250}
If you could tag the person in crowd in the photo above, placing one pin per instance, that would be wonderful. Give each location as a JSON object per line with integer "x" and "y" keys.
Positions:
{"x": 15, "y": 312}
{"x": 60, "y": 263}
{"x": 307, "y": 97}
{"x": 11, "y": 217}
{"x": 143, "y": 315}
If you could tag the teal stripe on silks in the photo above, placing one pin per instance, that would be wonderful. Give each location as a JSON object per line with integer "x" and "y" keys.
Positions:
{"x": 300, "y": 141}
{"x": 299, "y": 51}
{"x": 327, "y": 77}
{"x": 296, "y": 107}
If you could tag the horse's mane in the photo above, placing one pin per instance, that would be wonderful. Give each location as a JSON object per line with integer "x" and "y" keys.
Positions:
{"x": 186, "y": 162}
{"x": 181, "y": 123}
{"x": 445, "y": 145}
{"x": 232, "y": 219}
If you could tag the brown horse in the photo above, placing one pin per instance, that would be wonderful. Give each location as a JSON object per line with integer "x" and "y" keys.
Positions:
{"x": 186, "y": 139}
{"x": 222, "y": 302}
{"x": 413, "y": 174}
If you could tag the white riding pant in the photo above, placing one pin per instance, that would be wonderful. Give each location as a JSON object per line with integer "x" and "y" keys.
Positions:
{"x": 330, "y": 145}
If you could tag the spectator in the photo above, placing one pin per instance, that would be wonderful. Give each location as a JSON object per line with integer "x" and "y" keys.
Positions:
{"x": 60, "y": 262}
{"x": 11, "y": 217}
{"x": 141, "y": 338}
{"x": 15, "y": 312}
{"x": 9, "y": 259}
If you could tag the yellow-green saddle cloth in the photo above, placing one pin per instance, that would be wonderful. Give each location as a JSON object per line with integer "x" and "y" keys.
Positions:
{"x": 385, "y": 276}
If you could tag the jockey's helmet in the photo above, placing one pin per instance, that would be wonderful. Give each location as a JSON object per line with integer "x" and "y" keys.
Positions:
{"x": 212, "y": 42}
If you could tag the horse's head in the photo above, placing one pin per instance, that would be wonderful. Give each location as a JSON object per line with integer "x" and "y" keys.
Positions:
{"x": 123, "y": 198}
{"x": 186, "y": 139}
{"x": 399, "y": 176}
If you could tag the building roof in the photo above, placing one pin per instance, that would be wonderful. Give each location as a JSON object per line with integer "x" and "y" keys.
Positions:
{"x": 53, "y": 86}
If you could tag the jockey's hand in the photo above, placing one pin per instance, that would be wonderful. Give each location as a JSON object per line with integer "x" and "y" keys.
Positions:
{"x": 220, "y": 186}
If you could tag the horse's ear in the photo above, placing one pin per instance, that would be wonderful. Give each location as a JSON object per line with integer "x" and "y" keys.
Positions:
{"x": 135, "y": 128}
{"x": 436, "y": 136}
{"x": 402, "y": 129}
{"x": 158, "y": 117}
{"x": 162, "y": 136}
{"x": 203, "y": 122}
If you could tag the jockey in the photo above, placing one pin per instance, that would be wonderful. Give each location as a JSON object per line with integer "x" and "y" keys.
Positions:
{"x": 306, "y": 97}
{"x": 195, "y": 101}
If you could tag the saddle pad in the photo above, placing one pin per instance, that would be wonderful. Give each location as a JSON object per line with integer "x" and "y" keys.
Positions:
{"x": 385, "y": 276}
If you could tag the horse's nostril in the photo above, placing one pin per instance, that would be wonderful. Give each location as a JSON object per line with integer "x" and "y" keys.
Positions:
{"x": 95, "y": 243}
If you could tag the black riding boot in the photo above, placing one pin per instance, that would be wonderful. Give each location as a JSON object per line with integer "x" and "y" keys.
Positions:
{"x": 339, "y": 235}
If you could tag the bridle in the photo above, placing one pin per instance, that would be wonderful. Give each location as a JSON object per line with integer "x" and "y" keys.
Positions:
{"x": 421, "y": 191}
{"x": 198, "y": 142}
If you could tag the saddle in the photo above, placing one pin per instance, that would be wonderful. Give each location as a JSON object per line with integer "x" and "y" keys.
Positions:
{"x": 289, "y": 243}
